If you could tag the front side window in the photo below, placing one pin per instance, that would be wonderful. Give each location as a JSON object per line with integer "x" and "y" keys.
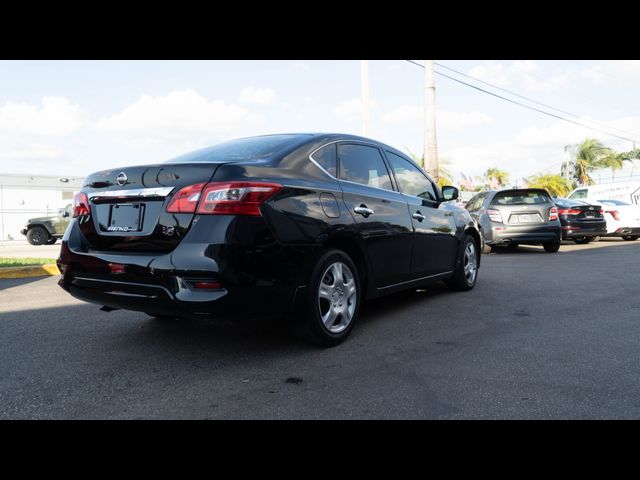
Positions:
{"x": 410, "y": 179}
{"x": 363, "y": 164}
{"x": 578, "y": 194}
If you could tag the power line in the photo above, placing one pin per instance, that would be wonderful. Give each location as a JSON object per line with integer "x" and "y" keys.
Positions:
{"x": 529, "y": 107}
{"x": 534, "y": 101}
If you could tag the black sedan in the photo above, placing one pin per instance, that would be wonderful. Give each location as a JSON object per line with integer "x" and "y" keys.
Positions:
{"x": 580, "y": 221}
{"x": 303, "y": 226}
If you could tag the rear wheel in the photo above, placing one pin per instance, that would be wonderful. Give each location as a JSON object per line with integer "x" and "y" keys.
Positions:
{"x": 467, "y": 269}
{"x": 37, "y": 236}
{"x": 551, "y": 247}
{"x": 582, "y": 240}
{"x": 630, "y": 238}
{"x": 333, "y": 300}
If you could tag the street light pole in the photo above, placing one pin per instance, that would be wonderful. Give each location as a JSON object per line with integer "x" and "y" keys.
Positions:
{"x": 366, "y": 101}
{"x": 430, "y": 154}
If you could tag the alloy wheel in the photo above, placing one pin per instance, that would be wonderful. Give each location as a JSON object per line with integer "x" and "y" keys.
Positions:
{"x": 337, "y": 297}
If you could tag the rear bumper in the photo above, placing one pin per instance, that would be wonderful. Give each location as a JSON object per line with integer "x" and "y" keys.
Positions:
{"x": 573, "y": 231}
{"x": 619, "y": 232}
{"x": 504, "y": 235}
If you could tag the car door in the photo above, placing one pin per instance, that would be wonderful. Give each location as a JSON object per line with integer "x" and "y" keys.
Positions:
{"x": 63, "y": 221}
{"x": 381, "y": 215}
{"x": 435, "y": 244}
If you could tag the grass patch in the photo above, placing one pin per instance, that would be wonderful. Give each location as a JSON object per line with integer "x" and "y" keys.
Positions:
{"x": 24, "y": 262}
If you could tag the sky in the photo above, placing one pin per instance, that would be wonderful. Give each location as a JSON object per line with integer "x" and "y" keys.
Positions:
{"x": 74, "y": 117}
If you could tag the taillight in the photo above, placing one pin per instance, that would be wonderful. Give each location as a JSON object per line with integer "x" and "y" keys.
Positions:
{"x": 186, "y": 199}
{"x": 615, "y": 214}
{"x": 81, "y": 205}
{"x": 601, "y": 212}
{"x": 494, "y": 215}
{"x": 567, "y": 211}
{"x": 553, "y": 214}
{"x": 236, "y": 198}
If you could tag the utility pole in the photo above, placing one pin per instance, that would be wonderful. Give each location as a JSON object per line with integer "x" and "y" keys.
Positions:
{"x": 430, "y": 154}
{"x": 366, "y": 101}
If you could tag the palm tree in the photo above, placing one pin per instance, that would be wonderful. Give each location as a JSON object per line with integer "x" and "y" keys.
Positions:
{"x": 497, "y": 175}
{"x": 444, "y": 173}
{"x": 614, "y": 161}
{"x": 556, "y": 185}
{"x": 590, "y": 153}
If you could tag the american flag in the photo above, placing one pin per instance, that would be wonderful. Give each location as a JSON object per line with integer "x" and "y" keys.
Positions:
{"x": 465, "y": 181}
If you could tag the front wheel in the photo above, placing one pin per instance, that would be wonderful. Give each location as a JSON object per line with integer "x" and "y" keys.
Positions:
{"x": 582, "y": 240}
{"x": 630, "y": 238}
{"x": 333, "y": 300}
{"x": 37, "y": 236}
{"x": 551, "y": 247}
{"x": 467, "y": 266}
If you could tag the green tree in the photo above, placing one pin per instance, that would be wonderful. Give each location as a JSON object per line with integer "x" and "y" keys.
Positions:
{"x": 497, "y": 175}
{"x": 444, "y": 168}
{"x": 589, "y": 157}
{"x": 556, "y": 185}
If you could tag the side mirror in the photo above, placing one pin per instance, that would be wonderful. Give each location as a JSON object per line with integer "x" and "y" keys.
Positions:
{"x": 449, "y": 193}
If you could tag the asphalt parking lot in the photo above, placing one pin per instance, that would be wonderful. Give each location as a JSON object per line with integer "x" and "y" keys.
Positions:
{"x": 542, "y": 336}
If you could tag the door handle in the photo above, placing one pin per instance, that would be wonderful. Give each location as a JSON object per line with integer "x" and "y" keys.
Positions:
{"x": 418, "y": 216}
{"x": 363, "y": 210}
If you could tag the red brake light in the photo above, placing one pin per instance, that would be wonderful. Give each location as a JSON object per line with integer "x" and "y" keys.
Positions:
{"x": 494, "y": 215}
{"x": 186, "y": 199}
{"x": 553, "y": 214}
{"x": 201, "y": 285}
{"x": 81, "y": 205}
{"x": 615, "y": 214}
{"x": 568, "y": 211}
{"x": 236, "y": 198}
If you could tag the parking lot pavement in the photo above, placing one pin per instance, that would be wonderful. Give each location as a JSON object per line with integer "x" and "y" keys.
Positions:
{"x": 22, "y": 249}
{"x": 541, "y": 336}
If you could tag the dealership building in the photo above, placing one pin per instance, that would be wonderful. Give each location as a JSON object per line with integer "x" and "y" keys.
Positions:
{"x": 27, "y": 196}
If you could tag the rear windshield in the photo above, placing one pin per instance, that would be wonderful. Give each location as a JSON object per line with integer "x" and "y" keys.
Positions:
{"x": 520, "y": 198}
{"x": 251, "y": 148}
{"x": 613, "y": 202}
{"x": 565, "y": 202}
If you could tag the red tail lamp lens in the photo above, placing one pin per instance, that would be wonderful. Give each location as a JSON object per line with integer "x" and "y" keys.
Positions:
{"x": 81, "y": 205}
{"x": 207, "y": 285}
{"x": 553, "y": 214}
{"x": 236, "y": 198}
{"x": 116, "y": 268}
{"x": 186, "y": 199}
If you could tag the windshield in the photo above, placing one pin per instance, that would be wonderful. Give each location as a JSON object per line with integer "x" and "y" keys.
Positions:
{"x": 243, "y": 149}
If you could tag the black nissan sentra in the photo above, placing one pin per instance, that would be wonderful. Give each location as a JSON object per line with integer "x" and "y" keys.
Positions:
{"x": 300, "y": 226}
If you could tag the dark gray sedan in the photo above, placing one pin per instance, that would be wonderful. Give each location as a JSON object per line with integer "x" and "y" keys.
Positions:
{"x": 517, "y": 216}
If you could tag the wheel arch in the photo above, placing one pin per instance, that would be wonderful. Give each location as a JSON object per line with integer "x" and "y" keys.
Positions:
{"x": 351, "y": 247}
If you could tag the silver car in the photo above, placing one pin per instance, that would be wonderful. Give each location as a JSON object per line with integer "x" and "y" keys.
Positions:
{"x": 516, "y": 216}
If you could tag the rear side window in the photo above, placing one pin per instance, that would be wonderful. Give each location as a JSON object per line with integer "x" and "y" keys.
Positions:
{"x": 519, "y": 197}
{"x": 327, "y": 158}
{"x": 411, "y": 180}
{"x": 363, "y": 164}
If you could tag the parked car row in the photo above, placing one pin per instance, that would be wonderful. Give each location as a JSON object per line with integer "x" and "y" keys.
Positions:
{"x": 531, "y": 216}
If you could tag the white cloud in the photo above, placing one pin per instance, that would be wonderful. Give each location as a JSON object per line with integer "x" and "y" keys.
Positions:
{"x": 56, "y": 116}
{"x": 351, "y": 110}
{"x": 616, "y": 71}
{"x": 258, "y": 96}
{"x": 303, "y": 67}
{"x": 521, "y": 73}
{"x": 492, "y": 72}
{"x": 445, "y": 119}
{"x": 180, "y": 116}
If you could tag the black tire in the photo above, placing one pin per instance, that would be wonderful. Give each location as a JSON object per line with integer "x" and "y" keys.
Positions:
{"x": 462, "y": 280}
{"x": 582, "y": 240}
{"x": 311, "y": 327}
{"x": 551, "y": 247}
{"x": 52, "y": 241}
{"x": 37, "y": 235}
{"x": 630, "y": 238}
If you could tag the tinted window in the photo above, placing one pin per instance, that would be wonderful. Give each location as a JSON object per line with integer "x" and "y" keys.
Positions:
{"x": 363, "y": 164}
{"x": 565, "y": 203}
{"x": 410, "y": 179}
{"x": 326, "y": 157}
{"x": 519, "y": 197}
{"x": 251, "y": 148}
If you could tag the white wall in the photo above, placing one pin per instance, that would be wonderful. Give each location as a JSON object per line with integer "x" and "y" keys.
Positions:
{"x": 17, "y": 205}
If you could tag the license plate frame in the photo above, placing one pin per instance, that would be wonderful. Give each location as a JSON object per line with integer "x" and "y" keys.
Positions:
{"x": 126, "y": 217}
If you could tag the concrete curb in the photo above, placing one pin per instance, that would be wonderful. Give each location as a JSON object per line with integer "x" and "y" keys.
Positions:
{"x": 31, "y": 271}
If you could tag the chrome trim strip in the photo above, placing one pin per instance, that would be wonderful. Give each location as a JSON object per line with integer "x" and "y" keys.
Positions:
{"x": 134, "y": 192}
{"x": 416, "y": 280}
{"x": 124, "y": 283}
